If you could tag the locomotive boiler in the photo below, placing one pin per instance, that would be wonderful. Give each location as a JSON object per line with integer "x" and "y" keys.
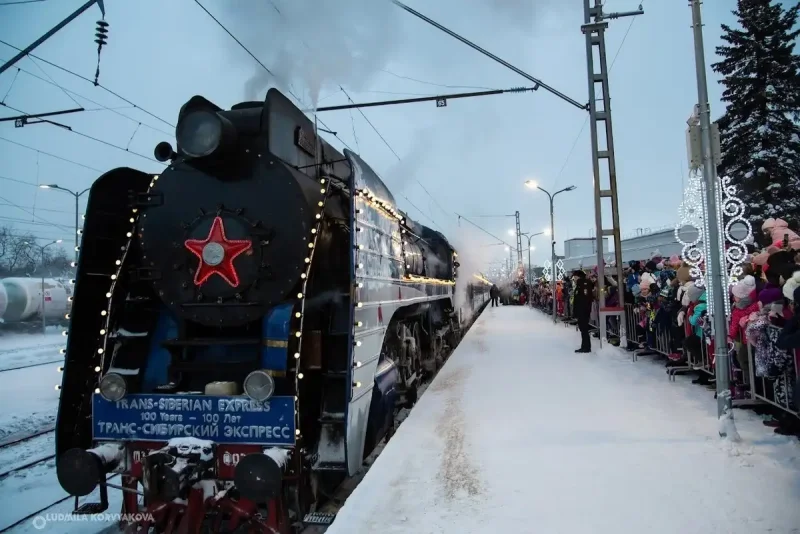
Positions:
{"x": 245, "y": 324}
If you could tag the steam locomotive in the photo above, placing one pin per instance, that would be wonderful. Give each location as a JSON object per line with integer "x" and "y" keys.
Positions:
{"x": 244, "y": 325}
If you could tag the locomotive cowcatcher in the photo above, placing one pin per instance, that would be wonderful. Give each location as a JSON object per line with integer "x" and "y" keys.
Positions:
{"x": 244, "y": 325}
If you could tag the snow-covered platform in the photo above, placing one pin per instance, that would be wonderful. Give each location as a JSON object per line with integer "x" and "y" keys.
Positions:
{"x": 520, "y": 434}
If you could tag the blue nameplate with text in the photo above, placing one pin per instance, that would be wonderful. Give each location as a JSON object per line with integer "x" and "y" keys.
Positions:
{"x": 227, "y": 419}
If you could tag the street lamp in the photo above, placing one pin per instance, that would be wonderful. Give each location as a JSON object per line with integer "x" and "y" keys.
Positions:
{"x": 77, "y": 196}
{"x": 533, "y": 185}
{"x": 42, "y": 249}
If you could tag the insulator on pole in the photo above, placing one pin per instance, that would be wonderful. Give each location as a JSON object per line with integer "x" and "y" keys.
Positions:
{"x": 101, "y": 38}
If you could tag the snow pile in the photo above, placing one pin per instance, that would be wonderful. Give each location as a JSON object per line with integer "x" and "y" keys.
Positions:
{"x": 520, "y": 434}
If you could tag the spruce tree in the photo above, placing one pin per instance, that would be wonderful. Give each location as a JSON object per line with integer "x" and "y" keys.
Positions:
{"x": 760, "y": 130}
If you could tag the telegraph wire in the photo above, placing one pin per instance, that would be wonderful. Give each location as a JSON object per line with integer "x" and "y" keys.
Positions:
{"x": 586, "y": 120}
{"x": 101, "y": 86}
{"x": 49, "y": 154}
{"x": 101, "y": 106}
{"x": 87, "y": 136}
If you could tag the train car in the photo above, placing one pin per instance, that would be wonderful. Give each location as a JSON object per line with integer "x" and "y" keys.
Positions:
{"x": 3, "y": 301}
{"x": 24, "y": 300}
{"x": 244, "y": 324}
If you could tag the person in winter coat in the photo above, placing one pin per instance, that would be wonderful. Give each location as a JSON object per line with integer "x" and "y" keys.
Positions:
{"x": 494, "y": 292}
{"x": 789, "y": 338}
{"x": 699, "y": 310}
{"x": 582, "y": 305}
{"x": 744, "y": 303}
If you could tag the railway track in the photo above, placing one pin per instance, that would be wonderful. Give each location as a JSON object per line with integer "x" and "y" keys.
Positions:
{"x": 27, "y": 465}
{"x": 332, "y": 506}
{"x": 17, "y": 368}
{"x": 6, "y": 352}
{"x": 43, "y": 510}
{"x": 19, "y": 437}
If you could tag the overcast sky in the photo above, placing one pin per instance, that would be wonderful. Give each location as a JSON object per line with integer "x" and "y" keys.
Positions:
{"x": 472, "y": 156}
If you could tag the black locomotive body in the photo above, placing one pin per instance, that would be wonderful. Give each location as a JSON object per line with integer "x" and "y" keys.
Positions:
{"x": 245, "y": 324}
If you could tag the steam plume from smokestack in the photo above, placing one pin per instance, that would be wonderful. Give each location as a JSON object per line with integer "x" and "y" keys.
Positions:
{"x": 314, "y": 44}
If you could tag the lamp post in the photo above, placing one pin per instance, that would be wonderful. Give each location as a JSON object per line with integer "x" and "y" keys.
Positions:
{"x": 77, "y": 210}
{"x": 716, "y": 277}
{"x": 530, "y": 274}
{"x": 42, "y": 248}
{"x": 533, "y": 185}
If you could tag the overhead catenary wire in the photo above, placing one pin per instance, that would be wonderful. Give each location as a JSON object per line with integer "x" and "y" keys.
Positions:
{"x": 297, "y": 98}
{"x": 68, "y": 212}
{"x": 17, "y": 2}
{"x": 398, "y": 159}
{"x": 86, "y": 98}
{"x": 50, "y": 154}
{"x": 479, "y": 88}
{"x": 32, "y": 214}
{"x": 17, "y": 220}
{"x": 492, "y": 56}
{"x": 101, "y": 86}
{"x": 112, "y": 145}
{"x": 485, "y": 231}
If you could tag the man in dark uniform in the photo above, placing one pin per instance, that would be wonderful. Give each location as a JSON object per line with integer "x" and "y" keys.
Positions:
{"x": 493, "y": 293}
{"x": 582, "y": 307}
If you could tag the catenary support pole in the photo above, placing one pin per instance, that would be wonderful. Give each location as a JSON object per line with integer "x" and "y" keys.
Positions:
{"x": 553, "y": 274}
{"x": 519, "y": 240}
{"x": 714, "y": 269}
{"x": 594, "y": 30}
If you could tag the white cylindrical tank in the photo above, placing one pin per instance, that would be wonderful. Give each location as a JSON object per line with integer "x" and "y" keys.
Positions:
{"x": 24, "y": 299}
{"x": 3, "y": 300}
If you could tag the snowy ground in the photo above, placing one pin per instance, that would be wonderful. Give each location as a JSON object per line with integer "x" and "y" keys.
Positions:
{"x": 29, "y": 398}
{"x": 29, "y": 402}
{"x": 517, "y": 434}
{"x": 520, "y": 434}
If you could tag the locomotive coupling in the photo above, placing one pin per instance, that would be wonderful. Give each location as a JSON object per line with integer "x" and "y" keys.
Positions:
{"x": 171, "y": 472}
{"x": 79, "y": 471}
{"x": 259, "y": 477}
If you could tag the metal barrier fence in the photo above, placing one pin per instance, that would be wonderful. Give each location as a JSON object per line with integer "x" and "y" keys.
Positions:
{"x": 777, "y": 388}
{"x": 695, "y": 354}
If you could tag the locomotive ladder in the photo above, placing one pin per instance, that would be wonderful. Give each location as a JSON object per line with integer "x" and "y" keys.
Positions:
{"x": 594, "y": 30}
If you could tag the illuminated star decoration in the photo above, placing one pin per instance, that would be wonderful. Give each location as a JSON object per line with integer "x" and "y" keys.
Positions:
{"x": 216, "y": 254}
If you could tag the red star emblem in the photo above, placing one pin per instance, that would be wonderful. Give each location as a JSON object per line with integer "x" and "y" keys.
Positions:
{"x": 216, "y": 254}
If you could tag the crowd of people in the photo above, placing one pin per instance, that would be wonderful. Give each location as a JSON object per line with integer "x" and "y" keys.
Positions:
{"x": 666, "y": 313}
{"x": 515, "y": 292}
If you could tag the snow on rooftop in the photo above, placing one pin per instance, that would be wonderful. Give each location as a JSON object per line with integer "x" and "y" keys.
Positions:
{"x": 520, "y": 434}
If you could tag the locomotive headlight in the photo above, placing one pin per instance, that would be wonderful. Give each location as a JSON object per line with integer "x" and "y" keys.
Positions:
{"x": 200, "y": 133}
{"x": 259, "y": 385}
{"x": 113, "y": 387}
